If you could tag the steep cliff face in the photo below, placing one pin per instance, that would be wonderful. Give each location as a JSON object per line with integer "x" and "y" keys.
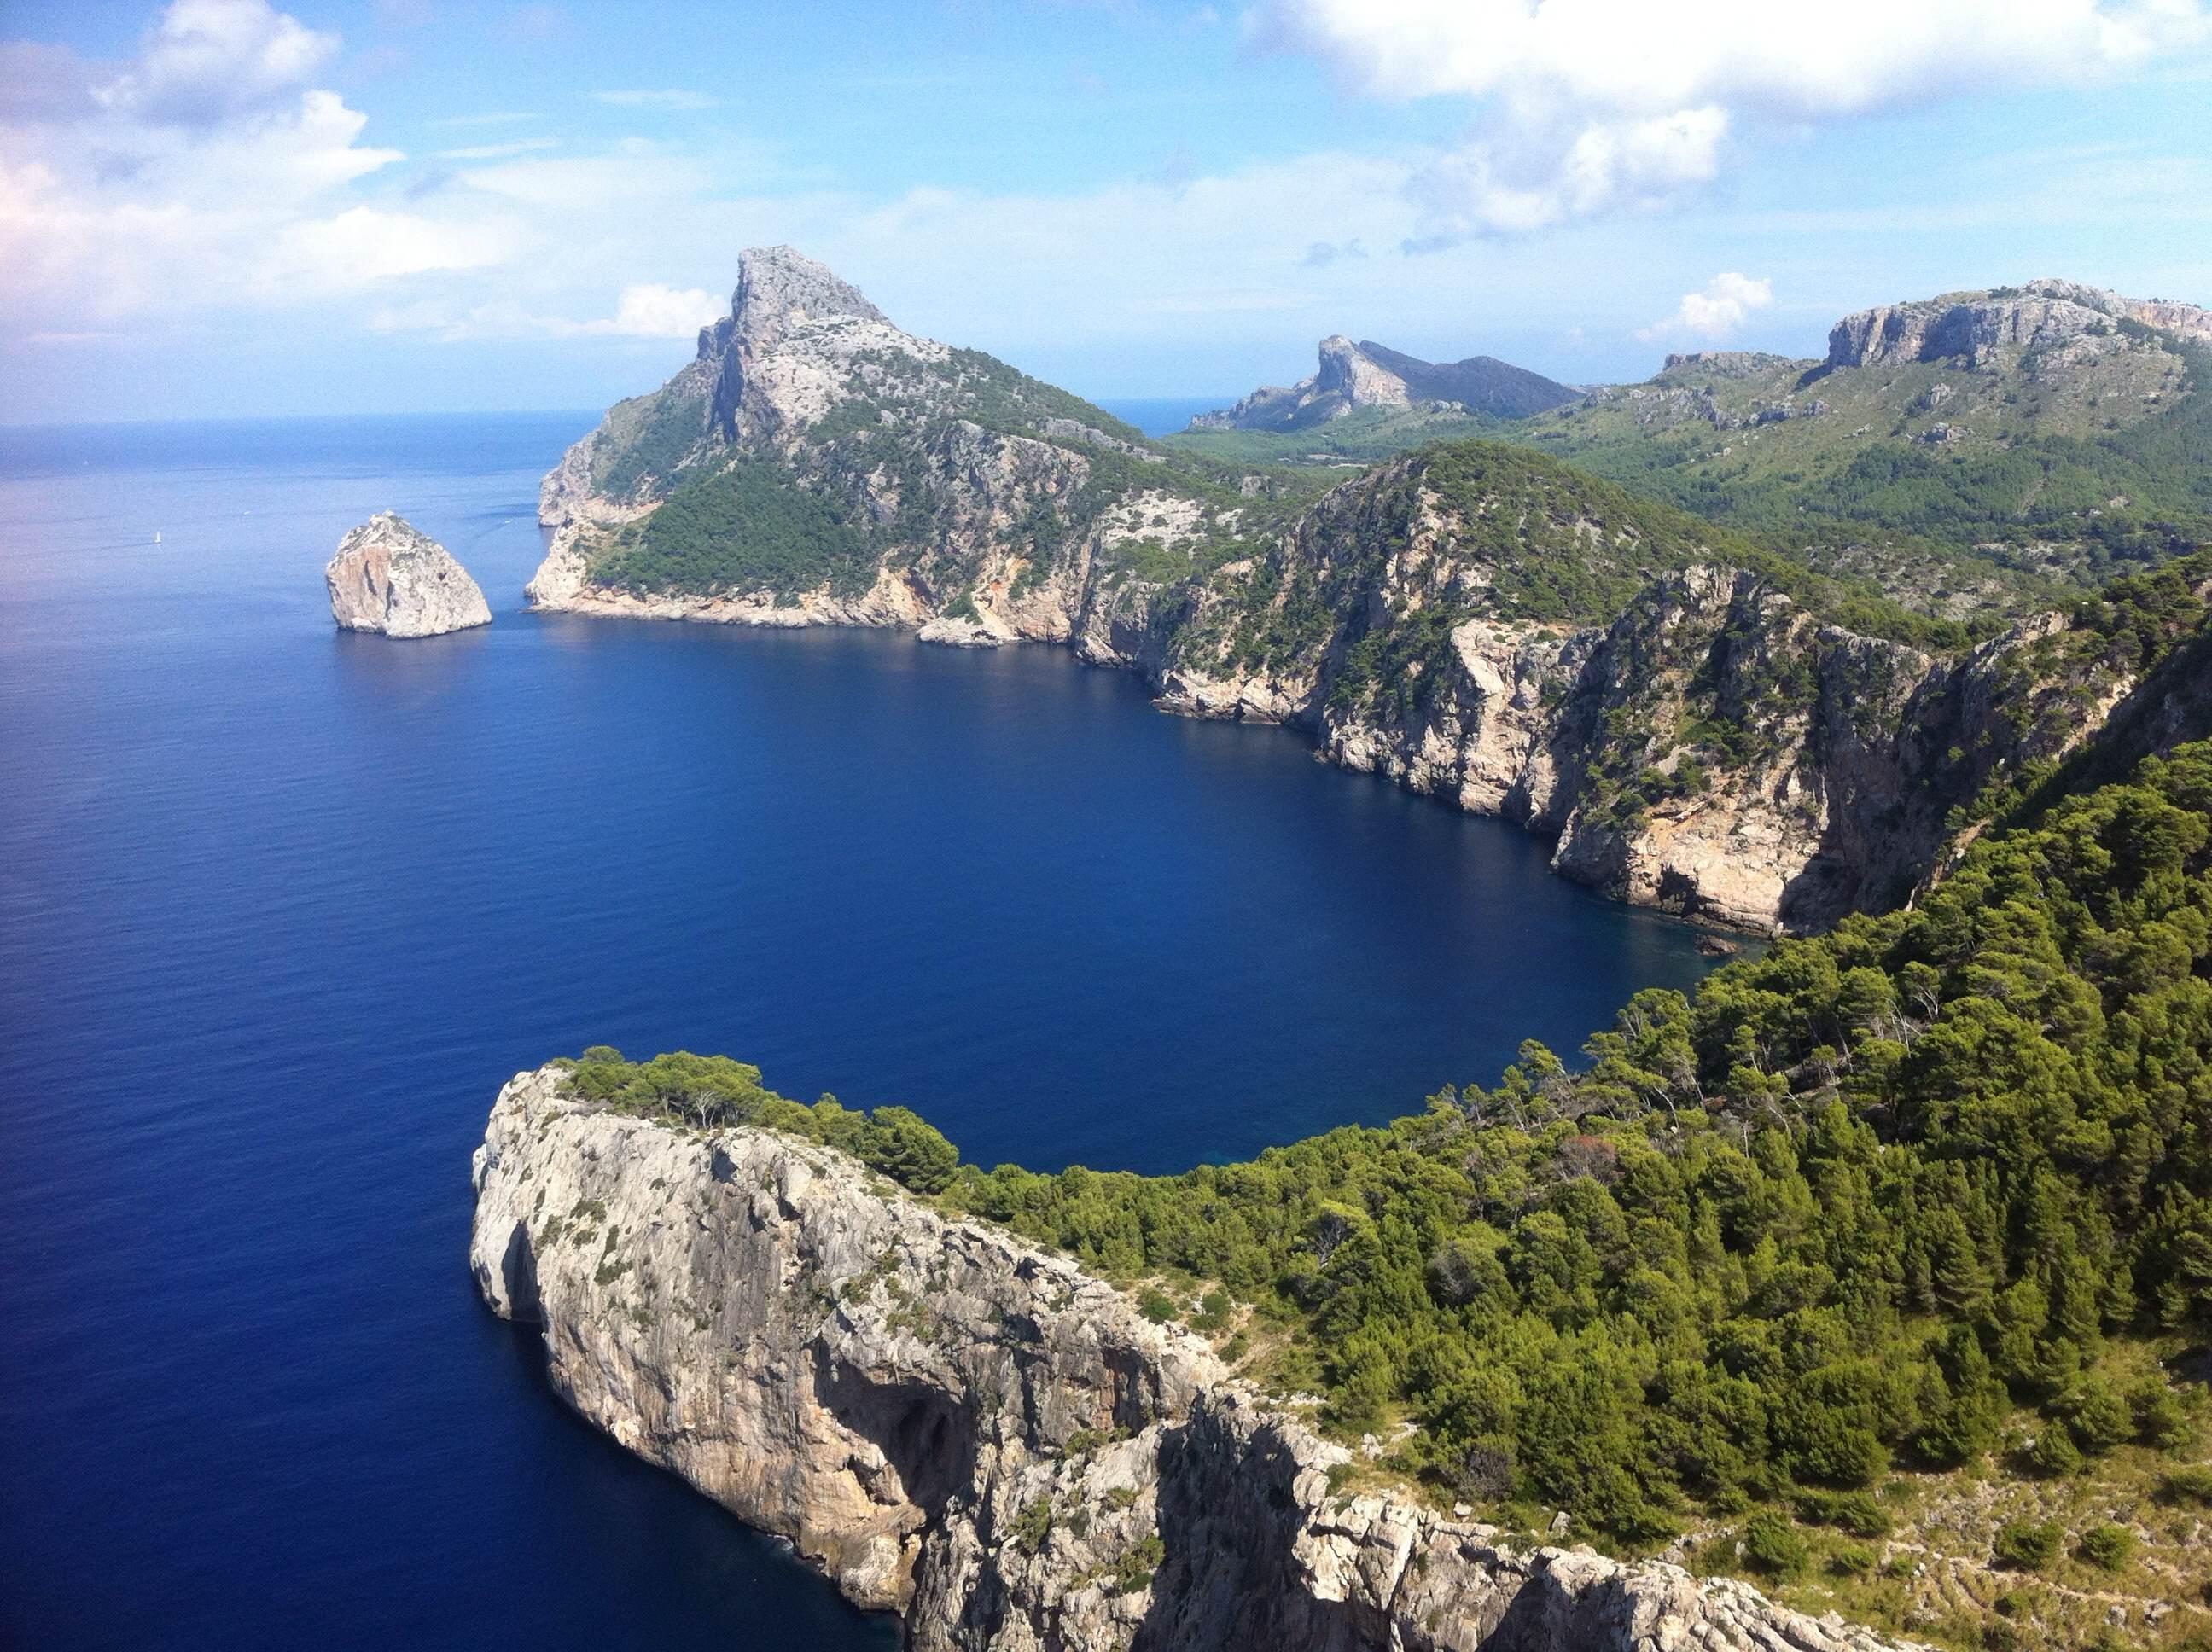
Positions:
{"x": 1714, "y": 747}
{"x": 957, "y": 1427}
{"x": 2042, "y": 314}
{"x": 390, "y": 579}
{"x": 1477, "y": 621}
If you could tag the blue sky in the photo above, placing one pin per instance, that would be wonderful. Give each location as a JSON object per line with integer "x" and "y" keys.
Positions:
{"x": 222, "y": 207}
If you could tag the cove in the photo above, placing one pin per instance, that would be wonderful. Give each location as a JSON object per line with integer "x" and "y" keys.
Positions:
{"x": 280, "y": 909}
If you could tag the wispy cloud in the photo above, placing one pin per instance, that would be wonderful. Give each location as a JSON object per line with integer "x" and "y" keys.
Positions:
{"x": 644, "y": 310}
{"x": 494, "y": 117}
{"x": 672, "y": 98}
{"x": 499, "y": 151}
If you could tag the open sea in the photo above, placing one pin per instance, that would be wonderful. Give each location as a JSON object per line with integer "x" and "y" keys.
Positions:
{"x": 281, "y": 909}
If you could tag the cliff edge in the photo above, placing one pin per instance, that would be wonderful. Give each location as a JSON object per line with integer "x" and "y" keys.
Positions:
{"x": 956, "y": 1427}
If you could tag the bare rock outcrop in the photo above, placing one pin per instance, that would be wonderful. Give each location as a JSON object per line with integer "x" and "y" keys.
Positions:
{"x": 2042, "y": 314}
{"x": 1483, "y": 628}
{"x": 389, "y": 579}
{"x": 954, "y": 1425}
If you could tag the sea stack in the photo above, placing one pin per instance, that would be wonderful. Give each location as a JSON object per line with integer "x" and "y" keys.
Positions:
{"x": 389, "y": 579}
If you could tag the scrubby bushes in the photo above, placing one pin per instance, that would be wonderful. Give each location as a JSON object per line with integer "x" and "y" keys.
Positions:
{"x": 1847, "y": 1206}
{"x": 711, "y": 1091}
{"x": 2026, "y": 1545}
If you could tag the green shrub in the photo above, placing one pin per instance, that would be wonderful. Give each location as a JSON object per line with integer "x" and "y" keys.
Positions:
{"x": 1033, "y": 1525}
{"x": 2110, "y": 1547}
{"x": 1155, "y": 1305}
{"x": 1771, "y": 1545}
{"x": 2026, "y": 1545}
{"x": 2182, "y": 1485}
{"x": 1851, "y": 1560}
{"x": 1134, "y": 1570}
{"x": 2161, "y": 1421}
{"x": 2097, "y": 1417}
{"x": 909, "y": 1149}
{"x": 1851, "y": 1511}
{"x": 2054, "y": 1452}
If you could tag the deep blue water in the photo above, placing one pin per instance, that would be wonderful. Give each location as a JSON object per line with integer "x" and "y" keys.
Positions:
{"x": 281, "y": 909}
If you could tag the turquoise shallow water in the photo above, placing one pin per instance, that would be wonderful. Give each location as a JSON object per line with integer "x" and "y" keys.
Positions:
{"x": 280, "y": 909}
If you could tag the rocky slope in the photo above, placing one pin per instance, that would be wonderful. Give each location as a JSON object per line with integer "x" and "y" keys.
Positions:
{"x": 1367, "y": 374}
{"x": 1680, "y": 716}
{"x": 956, "y": 1426}
{"x": 2049, "y": 429}
{"x": 389, "y": 579}
{"x": 1699, "y": 726}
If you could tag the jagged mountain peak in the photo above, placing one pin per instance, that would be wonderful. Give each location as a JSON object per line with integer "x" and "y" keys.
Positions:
{"x": 779, "y": 289}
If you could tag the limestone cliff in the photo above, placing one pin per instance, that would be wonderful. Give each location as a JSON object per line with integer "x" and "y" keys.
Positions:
{"x": 956, "y": 1426}
{"x": 1684, "y": 714}
{"x": 2043, "y": 314}
{"x": 389, "y": 579}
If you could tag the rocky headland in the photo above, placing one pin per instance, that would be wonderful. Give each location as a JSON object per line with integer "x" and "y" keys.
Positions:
{"x": 956, "y": 1427}
{"x": 1697, "y": 724}
{"x": 1350, "y": 376}
{"x": 389, "y": 579}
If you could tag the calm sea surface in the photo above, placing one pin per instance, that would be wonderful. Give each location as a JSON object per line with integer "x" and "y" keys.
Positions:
{"x": 280, "y": 909}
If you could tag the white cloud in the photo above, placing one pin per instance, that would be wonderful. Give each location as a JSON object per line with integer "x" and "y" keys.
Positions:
{"x": 651, "y": 310}
{"x": 205, "y": 174}
{"x": 363, "y": 245}
{"x": 207, "y": 60}
{"x": 645, "y": 310}
{"x": 1814, "y": 58}
{"x": 1724, "y": 306}
{"x": 1588, "y": 106}
{"x": 666, "y": 98}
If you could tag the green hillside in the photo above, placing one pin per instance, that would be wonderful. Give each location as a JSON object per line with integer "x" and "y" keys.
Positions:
{"x": 2111, "y": 460}
{"x": 1930, "y": 1195}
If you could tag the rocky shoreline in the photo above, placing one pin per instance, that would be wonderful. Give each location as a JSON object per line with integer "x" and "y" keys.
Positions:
{"x": 1698, "y": 740}
{"x": 954, "y": 1425}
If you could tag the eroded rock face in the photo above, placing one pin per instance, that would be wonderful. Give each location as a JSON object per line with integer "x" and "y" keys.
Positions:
{"x": 1698, "y": 742}
{"x": 956, "y": 1426}
{"x": 390, "y": 579}
{"x": 2042, "y": 314}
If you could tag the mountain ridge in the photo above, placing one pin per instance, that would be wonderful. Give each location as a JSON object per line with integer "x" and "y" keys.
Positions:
{"x": 1694, "y": 722}
{"x": 1351, "y": 376}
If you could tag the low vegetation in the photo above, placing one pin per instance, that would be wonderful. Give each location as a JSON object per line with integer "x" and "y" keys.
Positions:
{"x": 747, "y": 528}
{"x": 708, "y": 1092}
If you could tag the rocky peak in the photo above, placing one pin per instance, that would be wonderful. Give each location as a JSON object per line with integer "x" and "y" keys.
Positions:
{"x": 779, "y": 290}
{"x": 1726, "y": 364}
{"x": 1349, "y": 372}
{"x": 1353, "y": 375}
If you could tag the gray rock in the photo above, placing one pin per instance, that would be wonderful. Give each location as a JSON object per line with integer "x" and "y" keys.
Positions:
{"x": 2040, "y": 314}
{"x": 953, "y": 1424}
{"x": 389, "y": 579}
